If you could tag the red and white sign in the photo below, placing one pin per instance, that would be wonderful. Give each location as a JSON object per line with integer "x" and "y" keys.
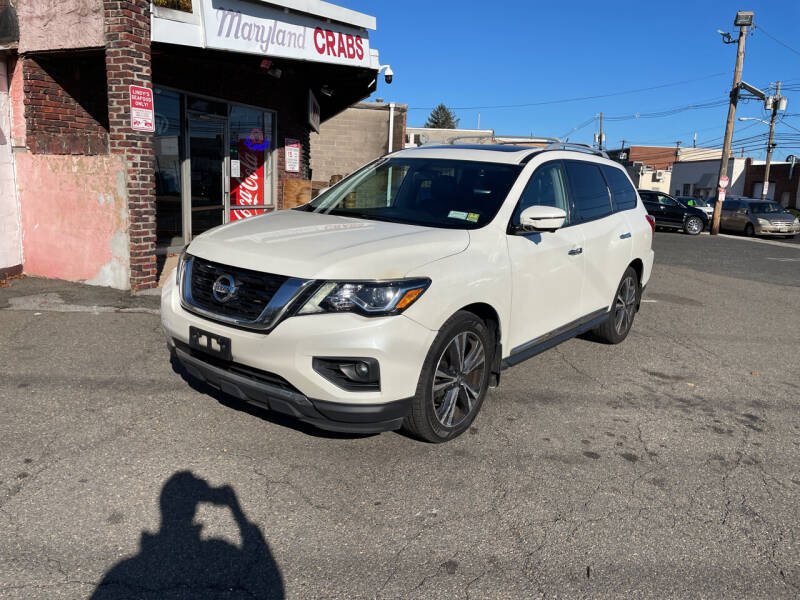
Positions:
{"x": 247, "y": 185}
{"x": 723, "y": 181}
{"x": 292, "y": 150}
{"x": 142, "y": 117}
{"x": 255, "y": 28}
{"x": 721, "y": 195}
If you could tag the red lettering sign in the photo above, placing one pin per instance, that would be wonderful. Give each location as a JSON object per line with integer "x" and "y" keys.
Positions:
{"x": 141, "y": 100}
{"x": 248, "y": 189}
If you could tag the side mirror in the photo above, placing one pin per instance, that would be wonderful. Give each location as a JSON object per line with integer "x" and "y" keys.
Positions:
{"x": 542, "y": 218}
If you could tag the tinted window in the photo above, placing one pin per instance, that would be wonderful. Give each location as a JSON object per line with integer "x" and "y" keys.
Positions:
{"x": 545, "y": 188}
{"x": 666, "y": 200}
{"x": 622, "y": 194}
{"x": 589, "y": 191}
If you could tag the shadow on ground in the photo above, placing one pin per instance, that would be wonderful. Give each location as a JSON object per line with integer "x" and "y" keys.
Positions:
{"x": 175, "y": 563}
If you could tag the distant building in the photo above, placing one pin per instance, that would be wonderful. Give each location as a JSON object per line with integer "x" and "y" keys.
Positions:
{"x": 784, "y": 182}
{"x": 700, "y": 177}
{"x": 356, "y": 136}
{"x": 417, "y": 136}
{"x": 651, "y": 167}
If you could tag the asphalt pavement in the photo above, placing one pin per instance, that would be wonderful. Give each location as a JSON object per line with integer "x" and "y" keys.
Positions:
{"x": 664, "y": 467}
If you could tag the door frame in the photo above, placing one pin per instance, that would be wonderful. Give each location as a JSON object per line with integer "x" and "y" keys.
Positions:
{"x": 186, "y": 200}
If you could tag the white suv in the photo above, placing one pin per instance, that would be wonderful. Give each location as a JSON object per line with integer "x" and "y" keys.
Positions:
{"x": 396, "y": 297}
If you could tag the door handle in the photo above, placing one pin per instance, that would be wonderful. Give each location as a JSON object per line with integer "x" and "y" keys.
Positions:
{"x": 625, "y": 236}
{"x": 575, "y": 251}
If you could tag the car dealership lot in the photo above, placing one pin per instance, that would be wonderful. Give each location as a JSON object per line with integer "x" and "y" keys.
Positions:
{"x": 666, "y": 466}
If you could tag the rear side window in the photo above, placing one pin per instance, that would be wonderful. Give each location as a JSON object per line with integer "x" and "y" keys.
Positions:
{"x": 589, "y": 191}
{"x": 623, "y": 196}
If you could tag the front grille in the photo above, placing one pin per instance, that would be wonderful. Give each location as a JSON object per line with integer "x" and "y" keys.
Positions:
{"x": 782, "y": 223}
{"x": 254, "y": 290}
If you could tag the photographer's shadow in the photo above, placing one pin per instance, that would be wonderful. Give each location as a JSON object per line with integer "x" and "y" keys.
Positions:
{"x": 176, "y": 563}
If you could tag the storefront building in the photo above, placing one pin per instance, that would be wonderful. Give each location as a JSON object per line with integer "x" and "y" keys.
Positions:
{"x": 148, "y": 123}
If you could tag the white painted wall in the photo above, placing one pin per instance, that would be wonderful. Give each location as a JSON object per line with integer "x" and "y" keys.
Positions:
{"x": 10, "y": 240}
{"x": 698, "y": 171}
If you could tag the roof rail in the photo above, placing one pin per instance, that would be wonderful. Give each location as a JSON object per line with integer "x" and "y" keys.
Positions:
{"x": 575, "y": 146}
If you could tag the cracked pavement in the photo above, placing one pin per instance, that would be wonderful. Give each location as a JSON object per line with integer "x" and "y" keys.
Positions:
{"x": 665, "y": 467}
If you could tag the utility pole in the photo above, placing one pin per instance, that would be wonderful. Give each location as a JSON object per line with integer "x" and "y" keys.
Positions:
{"x": 600, "y": 142}
{"x": 694, "y": 140}
{"x": 776, "y": 100}
{"x": 743, "y": 19}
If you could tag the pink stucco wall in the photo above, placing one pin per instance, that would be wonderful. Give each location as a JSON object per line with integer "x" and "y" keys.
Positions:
{"x": 57, "y": 24}
{"x": 74, "y": 216}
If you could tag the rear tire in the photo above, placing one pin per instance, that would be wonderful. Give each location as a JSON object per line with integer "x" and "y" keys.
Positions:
{"x": 623, "y": 310}
{"x": 453, "y": 381}
{"x": 693, "y": 225}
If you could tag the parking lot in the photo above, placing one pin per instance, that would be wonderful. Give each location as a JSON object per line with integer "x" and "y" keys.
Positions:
{"x": 665, "y": 467}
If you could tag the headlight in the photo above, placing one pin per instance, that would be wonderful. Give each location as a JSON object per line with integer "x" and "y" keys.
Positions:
{"x": 182, "y": 258}
{"x": 764, "y": 223}
{"x": 796, "y": 221}
{"x": 370, "y": 298}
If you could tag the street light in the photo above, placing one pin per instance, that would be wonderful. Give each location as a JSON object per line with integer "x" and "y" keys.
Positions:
{"x": 753, "y": 119}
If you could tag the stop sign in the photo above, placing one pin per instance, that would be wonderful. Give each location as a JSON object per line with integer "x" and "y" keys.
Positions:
{"x": 723, "y": 181}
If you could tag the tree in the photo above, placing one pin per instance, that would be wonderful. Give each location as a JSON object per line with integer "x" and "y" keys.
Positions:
{"x": 442, "y": 117}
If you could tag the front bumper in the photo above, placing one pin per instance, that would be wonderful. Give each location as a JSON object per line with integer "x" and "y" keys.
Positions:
{"x": 249, "y": 387}
{"x": 777, "y": 230}
{"x": 287, "y": 351}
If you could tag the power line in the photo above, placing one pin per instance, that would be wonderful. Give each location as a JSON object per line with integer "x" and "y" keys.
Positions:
{"x": 578, "y": 99}
{"x": 774, "y": 39}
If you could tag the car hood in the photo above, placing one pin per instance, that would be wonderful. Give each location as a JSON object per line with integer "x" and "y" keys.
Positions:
{"x": 775, "y": 217}
{"x": 320, "y": 246}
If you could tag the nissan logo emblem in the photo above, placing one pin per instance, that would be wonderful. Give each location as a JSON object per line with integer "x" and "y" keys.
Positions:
{"x": 224, "y": 288}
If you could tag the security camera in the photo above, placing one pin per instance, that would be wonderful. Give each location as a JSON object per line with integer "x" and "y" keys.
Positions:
{"x": 388, "y": 73}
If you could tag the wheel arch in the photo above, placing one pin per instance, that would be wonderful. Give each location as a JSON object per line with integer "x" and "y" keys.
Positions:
{"x": 487, "y": 313}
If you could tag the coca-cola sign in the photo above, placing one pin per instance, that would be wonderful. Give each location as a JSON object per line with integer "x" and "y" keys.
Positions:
{"x": 247, "y": 190}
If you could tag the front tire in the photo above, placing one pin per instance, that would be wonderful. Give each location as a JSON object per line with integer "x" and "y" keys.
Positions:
{"x": 453, "y": 381}
{"x": 623, "y": 310}
{"x": 693, "y": 225}
{"x": 749, "y": 230}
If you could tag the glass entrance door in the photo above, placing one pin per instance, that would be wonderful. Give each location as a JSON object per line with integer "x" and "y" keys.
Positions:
{"x": 207, "y": 168}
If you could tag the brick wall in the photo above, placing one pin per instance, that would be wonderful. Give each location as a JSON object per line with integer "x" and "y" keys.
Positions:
{"x": 354, "y": 137}
{"x": 127, "y": 39}
{"x": 779, "y": 180}
{"x": 65, "y": 104}
{"x": 199, "y": 72}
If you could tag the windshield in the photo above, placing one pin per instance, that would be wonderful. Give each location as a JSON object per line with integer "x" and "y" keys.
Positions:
{"x": 760, "y": 208}
{"x": 422, "y": 191}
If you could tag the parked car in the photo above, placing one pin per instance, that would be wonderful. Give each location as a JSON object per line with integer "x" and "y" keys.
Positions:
{"x": 397, "y": 296}
{"x": 669, "y": 212}
{"x": 752, "y": 216}
{"x": 696, "y": 202}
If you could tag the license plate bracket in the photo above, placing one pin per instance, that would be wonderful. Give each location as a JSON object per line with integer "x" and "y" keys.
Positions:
{"x": 210, "y": 343}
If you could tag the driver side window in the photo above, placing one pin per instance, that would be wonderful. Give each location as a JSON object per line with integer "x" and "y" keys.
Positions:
{"x": 545, "y": 188}
{"x": 666, "y": 201}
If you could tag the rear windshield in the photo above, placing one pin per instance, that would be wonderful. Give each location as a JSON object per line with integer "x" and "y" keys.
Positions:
{"x": 452, "y": 194}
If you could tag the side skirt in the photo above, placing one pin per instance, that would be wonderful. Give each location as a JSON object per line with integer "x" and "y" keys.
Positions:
{"x": 555, "y": 337}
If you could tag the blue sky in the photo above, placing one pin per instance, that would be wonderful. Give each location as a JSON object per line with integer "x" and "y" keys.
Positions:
{"x": 483, "y": 54}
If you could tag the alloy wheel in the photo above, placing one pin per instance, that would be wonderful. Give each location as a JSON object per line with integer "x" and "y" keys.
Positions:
{"x": 694, "y": 225}
{"x": 625, "y": 305}
{"x": 458, "y": 379}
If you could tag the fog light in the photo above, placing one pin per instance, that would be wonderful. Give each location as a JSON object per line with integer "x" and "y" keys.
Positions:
{"x": 352, "y": 374}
